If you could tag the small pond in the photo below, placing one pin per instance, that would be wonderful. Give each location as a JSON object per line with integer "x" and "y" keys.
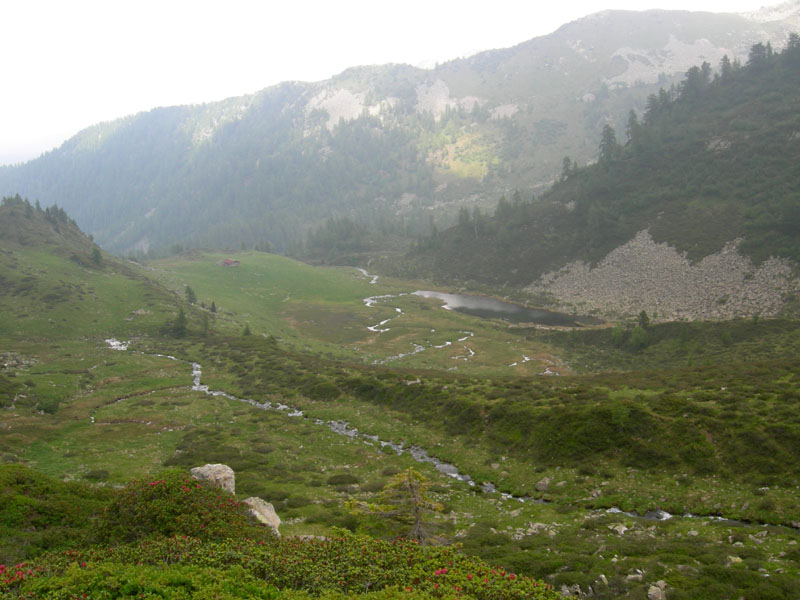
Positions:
{"x": 490, "y": 308}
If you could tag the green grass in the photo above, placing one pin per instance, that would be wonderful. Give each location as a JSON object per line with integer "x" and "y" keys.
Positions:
{"x": 717, "y": 437}
{"x": 322, "y": 310}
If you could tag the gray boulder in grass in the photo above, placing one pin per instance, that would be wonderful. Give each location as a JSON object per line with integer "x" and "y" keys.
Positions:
{"x": 219, "y": 475}
{"x": 265, "y": 513}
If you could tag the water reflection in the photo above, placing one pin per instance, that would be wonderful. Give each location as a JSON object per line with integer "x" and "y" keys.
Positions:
{"x": 489, "y": 308}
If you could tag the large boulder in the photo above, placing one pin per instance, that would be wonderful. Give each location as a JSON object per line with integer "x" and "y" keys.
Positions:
{"x": 219, "y": 475}
{"x": 265, "y": 513}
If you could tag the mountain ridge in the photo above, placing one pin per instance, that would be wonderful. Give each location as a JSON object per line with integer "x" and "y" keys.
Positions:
{"x": 394, "y": 148}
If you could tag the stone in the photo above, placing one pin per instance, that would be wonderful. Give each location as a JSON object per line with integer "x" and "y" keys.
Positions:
{"x": 543, "y": 484}
{"x": 734, "y": 560}
{"x": 219, "y": 475}
{"x": 534, "y": 528}
{"x": 657, "y": 277}
{"x": 656, "y": 593}
{"x": 574, "y": 590}
{"x": 619, "y": 528}
{"x": 264, "y": 513}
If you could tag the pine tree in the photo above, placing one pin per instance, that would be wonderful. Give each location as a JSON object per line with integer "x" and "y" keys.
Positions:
{"x": 179, "y": 326}
{"x": 609, "y": 147}
{"x": 405, "y": 501}
{"x": 725, "y": 67}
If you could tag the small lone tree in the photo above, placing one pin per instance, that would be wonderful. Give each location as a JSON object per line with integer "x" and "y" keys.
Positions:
{"x": 405, "y": 501}
{"x": 639, "y": 338}
{"x": 213, "y": 307}
{"x": 97, "y": 258}
{"x": 246, "y": 330}
{"x": 179, "y": 326}
{"x": 191, "y": 297}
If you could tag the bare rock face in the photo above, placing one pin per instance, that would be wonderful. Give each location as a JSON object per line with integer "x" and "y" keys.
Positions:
{"x": 220, "y": 475}
{"x": 543, "y": 484}
{"x": 265, "y": 513}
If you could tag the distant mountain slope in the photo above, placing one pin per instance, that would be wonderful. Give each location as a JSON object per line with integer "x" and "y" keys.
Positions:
{"x": 391, "y": 147}
{"x": 714, "y": 169}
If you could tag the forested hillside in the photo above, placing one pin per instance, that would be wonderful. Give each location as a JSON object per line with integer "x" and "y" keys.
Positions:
{"x": 713, "y": 160}
{"x": 392, "y": 148}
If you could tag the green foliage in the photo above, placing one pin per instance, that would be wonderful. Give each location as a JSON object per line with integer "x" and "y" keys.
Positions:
{"x": 97, "y": 258}
{"x": 179, "y": 325}
{"x": 639, "y": 339}
{"x": 343, "y": 479}
{"x": 609, "y": 147}
{"x": 191, "y": 296}
{"x": 108, "y": 580}
{"x": 38, "y": 513}
{"x": 8, "y": 390}
{"x": 345, "y": 566}
{"x": 51, "y": 286}
{"x": 406, "y": 501}
{"x": 172, "y": 503}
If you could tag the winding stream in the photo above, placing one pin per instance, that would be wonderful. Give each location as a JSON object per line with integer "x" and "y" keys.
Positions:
{"x": 372, "y": 301}
{"x": 419, "y": 454}
{"x": 479, "y": 306}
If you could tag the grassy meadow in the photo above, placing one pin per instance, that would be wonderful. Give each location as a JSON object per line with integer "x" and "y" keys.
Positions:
{"x": 702, "y": 420}
{"x": 322, "y": 310}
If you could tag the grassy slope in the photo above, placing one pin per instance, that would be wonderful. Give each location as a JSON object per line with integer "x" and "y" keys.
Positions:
{"x": 52, "y": 287}
{"x": 110, "y": 415}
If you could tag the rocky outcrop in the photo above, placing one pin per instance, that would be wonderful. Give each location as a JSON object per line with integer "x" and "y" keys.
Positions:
{"x": 264, "y": 513}
{"x": 223, "y": 476}
{"x": 644, "y": 275}
{"x": 220, "y": 475}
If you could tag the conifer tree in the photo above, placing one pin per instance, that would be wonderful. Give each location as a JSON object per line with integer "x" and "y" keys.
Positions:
{"x": 405, "y": 500}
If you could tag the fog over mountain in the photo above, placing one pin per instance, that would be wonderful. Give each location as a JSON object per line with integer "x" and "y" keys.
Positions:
{"x": 393, "y": 148}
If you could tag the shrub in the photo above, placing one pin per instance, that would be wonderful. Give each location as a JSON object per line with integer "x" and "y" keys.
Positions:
{"x": 342, "y": 479}
{"x": 172, "y": 503}
{"x": 335, "y": 568}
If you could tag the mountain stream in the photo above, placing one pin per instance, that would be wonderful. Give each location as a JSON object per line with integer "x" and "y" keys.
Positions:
{"x": 419, "y": 454}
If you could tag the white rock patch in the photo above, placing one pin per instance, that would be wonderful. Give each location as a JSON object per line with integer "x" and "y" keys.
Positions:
{"x": 643, "y": 275}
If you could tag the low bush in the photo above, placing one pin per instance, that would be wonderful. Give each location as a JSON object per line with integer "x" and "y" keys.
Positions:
{"x": 172, "y": 503}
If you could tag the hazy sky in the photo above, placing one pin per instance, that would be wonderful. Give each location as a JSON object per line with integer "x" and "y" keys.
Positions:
{"x": 67, "y": 64}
